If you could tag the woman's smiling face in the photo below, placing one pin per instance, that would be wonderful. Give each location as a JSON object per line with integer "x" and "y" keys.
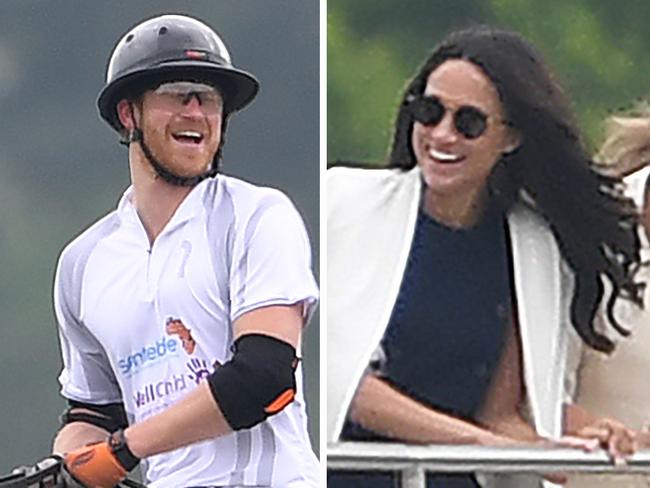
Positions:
{"x": 452, "y": 163}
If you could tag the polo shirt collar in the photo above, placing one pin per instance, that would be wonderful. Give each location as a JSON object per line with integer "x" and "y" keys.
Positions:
{"x": 188, "y": 209}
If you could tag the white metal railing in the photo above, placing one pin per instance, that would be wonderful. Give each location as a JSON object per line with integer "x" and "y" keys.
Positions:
{"x": 413, "y": 462}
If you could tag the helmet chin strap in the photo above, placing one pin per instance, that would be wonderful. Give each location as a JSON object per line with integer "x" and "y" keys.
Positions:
{"x": 167, "y": 175}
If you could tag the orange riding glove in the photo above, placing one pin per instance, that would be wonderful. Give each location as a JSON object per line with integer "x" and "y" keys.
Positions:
{"x": 102, "y": 465}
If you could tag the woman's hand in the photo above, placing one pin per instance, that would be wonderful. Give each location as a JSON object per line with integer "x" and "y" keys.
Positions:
{"x": 619, "y": 441}
{"x": 643, "y": 437}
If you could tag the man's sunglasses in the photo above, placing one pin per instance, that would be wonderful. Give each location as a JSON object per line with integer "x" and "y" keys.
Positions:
{"x": 177, "y": 94}
{"x": 469, "y": 121}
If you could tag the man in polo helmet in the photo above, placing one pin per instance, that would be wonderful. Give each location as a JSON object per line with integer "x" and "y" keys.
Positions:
{"x": 217, "y": 399}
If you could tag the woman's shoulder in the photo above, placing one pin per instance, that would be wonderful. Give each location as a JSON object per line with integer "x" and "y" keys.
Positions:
{"x": 355, "y": 178}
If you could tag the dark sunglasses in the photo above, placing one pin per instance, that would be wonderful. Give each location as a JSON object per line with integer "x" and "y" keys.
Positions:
{"x": 469, "y": 121}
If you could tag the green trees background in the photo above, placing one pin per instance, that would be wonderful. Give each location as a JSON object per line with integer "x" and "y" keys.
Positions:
{"x": 599, "y": 50}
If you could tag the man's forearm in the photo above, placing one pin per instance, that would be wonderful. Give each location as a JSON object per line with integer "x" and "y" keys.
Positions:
{"x": 196, "y": 417}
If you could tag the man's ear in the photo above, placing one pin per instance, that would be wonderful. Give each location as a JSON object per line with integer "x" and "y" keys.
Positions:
{"x": 125, "y": 112}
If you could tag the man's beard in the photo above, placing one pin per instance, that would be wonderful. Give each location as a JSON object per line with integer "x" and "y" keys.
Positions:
{"x": 167, "y": 174}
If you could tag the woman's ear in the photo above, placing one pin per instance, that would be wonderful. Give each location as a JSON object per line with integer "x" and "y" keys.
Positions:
{"x": 513, "y": 141}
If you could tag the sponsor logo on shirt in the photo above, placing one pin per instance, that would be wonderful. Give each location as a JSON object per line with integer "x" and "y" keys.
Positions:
{"x": 154, "y": 393}
{"x": 175, "y": 326}
{"x": 197, "y": 369}
{"x": 149, "y": 355}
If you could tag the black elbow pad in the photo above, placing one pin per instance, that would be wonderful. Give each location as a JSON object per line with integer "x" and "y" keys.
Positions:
{"x": 257, "y": 382}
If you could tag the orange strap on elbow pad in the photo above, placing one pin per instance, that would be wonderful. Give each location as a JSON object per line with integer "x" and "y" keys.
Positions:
{"x": 95, "y": 466}
{"x": 281, "y": 401}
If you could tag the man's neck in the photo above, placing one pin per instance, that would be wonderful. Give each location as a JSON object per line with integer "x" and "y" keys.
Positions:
{"x": 155, "y": 200}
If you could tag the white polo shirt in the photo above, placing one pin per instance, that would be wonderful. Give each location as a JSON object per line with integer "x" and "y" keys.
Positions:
{"x": 144, "y": 324}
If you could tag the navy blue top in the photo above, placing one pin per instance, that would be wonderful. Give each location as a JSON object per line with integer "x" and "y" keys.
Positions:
{"x": 447, "y": 329}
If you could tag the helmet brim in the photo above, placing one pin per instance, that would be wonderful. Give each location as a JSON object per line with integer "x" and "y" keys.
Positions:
{"x": 237, "y": 87}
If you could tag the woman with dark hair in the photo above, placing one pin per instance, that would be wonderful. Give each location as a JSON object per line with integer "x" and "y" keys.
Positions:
{"x": 459, "y": 276}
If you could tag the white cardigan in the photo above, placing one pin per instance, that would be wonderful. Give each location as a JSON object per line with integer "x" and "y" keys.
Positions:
{"x": 370, "y": 224}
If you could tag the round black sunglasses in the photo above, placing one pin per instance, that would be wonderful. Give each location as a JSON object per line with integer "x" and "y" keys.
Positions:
{"x": 469, "y": 121}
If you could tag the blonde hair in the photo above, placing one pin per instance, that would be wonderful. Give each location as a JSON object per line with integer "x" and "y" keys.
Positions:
{"x": 627, "y": 143}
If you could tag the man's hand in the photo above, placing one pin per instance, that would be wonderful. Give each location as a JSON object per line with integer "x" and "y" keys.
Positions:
{"x": 68, "y": 480}
{"x": 101, "y": 465}
{"x": 95, "y": 466}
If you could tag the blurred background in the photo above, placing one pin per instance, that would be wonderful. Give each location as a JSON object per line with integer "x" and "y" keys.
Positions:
{"x": 599, "y": 49}
{"x": 61, "y": 167}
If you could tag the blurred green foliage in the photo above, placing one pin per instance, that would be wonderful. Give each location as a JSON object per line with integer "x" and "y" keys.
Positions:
{"x": 598, "y": 50}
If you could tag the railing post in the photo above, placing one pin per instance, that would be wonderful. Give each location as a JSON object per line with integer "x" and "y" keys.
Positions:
{"x": 413, "y": 477}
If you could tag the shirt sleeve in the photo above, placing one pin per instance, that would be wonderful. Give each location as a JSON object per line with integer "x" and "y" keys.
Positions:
{"x": 87, "y": 375}
{"x": 272, "y": 260}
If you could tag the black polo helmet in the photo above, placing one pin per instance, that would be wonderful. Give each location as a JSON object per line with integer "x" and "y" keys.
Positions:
{"x": 172, "y": 48}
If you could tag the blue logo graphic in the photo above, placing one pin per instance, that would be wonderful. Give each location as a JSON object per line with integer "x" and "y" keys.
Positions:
{"x": 148, "y": 355}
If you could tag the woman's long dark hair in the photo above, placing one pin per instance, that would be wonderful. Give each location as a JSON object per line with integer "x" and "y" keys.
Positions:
{"x": 594, "y": 224}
